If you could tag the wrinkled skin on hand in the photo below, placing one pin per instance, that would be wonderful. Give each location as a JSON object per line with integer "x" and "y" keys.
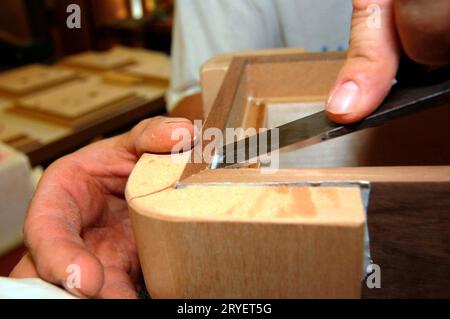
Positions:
{"x": 79, "y": 215}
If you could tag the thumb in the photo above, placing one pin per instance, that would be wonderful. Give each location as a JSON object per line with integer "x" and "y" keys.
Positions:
{"x": 372, "y": 62}
{"x": 160, "y": 135}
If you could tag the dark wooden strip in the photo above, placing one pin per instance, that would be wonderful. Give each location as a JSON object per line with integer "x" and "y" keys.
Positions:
{"x": 409, "y": 227}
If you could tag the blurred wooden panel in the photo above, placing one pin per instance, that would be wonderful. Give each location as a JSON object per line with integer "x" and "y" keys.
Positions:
{"x": 155, "y": 72}
{"x": 98, "y": 61}
{"x": 75, "y": 99}
{"x": 78, "y": 104}
{"x": 31, "y": 78}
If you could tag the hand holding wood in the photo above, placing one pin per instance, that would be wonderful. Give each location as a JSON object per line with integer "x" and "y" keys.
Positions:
{"x": 79, "y": 216}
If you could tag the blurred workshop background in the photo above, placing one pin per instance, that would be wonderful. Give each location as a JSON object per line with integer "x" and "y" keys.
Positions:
{"x": 62, "y": 88}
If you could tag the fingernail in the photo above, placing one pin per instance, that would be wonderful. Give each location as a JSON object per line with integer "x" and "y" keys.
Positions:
{"x": 345, "y": 99}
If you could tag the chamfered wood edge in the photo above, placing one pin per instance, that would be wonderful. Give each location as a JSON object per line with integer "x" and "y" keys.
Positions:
{"x": 375, "y": 174}
{"x": 146, "y": 180}
{"x": 218, "y": 116}
{"x": 413, "y": 174}
{"x": 137, "y": 206}
{"x": 388, "y": 183}
{"x": 164, "y": 242}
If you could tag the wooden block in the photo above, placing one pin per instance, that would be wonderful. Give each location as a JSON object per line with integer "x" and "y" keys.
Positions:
{"x": 98, "y": 61}
{"x": 75, "y": 99}
{"x": 109, "y": 111}
{"x": 151, "y": 67}
{"x": 31, "y": 78}
{"x": 77, "y": 104}
{"x": 125, "y": 66}
{"x": 241, "y": 241}
{"x": 155, "y": 70}
{"x": 409, "y": 205}
{"x": 207, "y": 240}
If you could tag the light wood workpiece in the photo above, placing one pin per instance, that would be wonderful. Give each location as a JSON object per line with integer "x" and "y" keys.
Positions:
{"x": 218, "y": 231}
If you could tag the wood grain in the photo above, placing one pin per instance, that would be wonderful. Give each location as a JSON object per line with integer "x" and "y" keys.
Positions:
{"x": 388, "y": 174}
{"x": 408, "y": 213}
{"x": 409, "y": 231}
{"x": 219, "y": 114}
{"x": 408, "y": 221}
{"x": 266, "y": 80}
{"x": 244, "y": 241}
